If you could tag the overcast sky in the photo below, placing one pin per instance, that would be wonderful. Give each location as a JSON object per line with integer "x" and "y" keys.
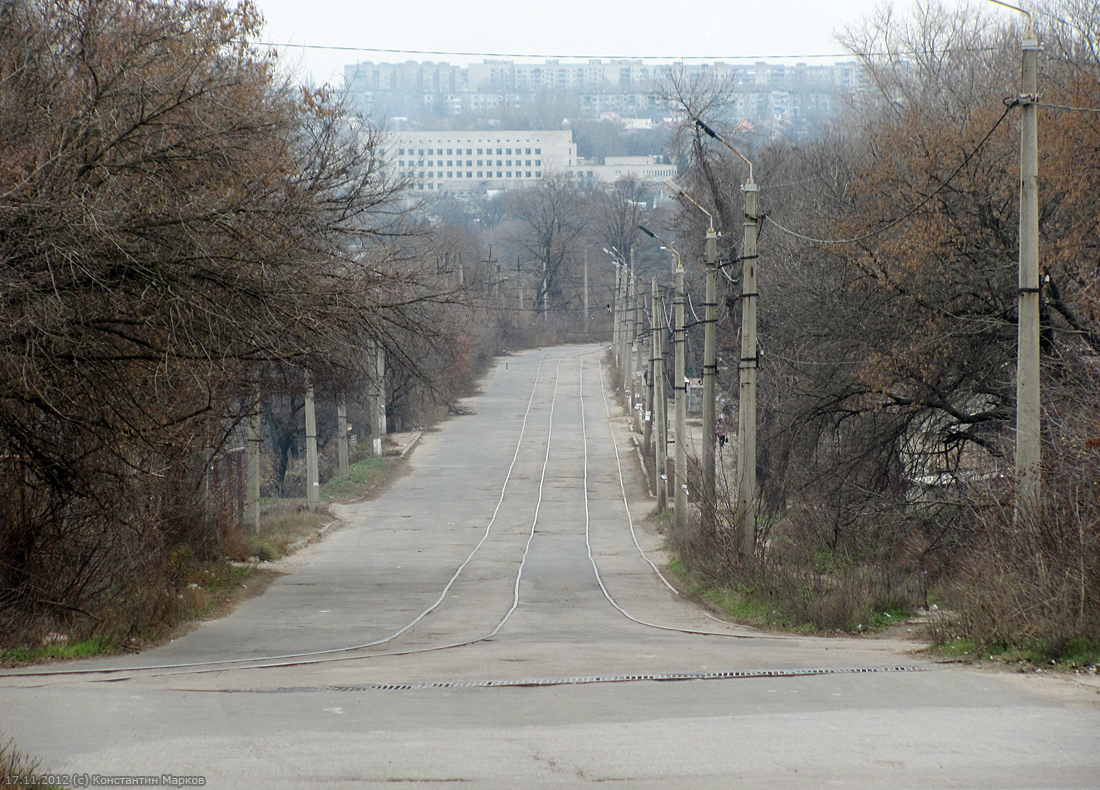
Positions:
{"x": 729, "y": 29}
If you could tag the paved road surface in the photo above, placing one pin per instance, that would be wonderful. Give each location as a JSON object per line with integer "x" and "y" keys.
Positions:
{"x": 510, "y": 632}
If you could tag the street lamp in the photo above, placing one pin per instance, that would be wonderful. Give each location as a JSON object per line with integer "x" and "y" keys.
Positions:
{"x": 679, "y": 386}
{"x": 746, "y": 413}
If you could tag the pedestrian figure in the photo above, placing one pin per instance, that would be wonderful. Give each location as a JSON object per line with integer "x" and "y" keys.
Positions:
{"x": 720, "y": 430}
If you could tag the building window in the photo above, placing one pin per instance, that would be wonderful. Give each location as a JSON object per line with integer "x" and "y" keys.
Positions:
{"x": 528, "y": 173}
{"x": 528, "y": 151}
{"x": 479, "y": 174}
{"x": 538, "y": 151}
{"x": 469, "y": 174}
{"x": 469, "y": 163}
{"x": 479, "y": 152}
{"x": 458, "y": 174}
{"x": 420, "y": 152}
{"x": 509, "y": 174}
{"x": 500, "y": 163}
{"x": 469, "y": 151}
{"x": 538, "y": 163}
{"x": 499, "y": 174}
{"x": 449, "y": 151}
{"x": 509, "y": 152}
{"x": 449, "y": 174}
{"x": 499, "y": 152}
{"x": 538, "y": 174}
{"x": 480, "y": 162}
{"x": 528, "y": 162}
{"x": 401, "y": 152}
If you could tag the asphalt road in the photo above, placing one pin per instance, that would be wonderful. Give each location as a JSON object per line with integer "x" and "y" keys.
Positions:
{"x": 493, "y": 621}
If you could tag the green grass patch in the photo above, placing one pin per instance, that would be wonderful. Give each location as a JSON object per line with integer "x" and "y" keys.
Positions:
{"x": 365, "y": 478}
{"x": 804, "y": 601}
{"x": 209, "y": 588}
{"x": 60, "y": 649}
{"x": 890, "y": 616}
{"x": 1060, "y": 654}
{"x": 962, "y": 649}
{"x": 745, "y": 605}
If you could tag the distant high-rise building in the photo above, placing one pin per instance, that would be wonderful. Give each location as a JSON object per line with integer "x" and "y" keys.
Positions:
{"x": 769, "y": 96}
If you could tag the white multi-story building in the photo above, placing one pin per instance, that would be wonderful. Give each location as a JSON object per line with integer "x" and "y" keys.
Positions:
{"x": 466, "y": 163}
{"x": 462, "y": 163}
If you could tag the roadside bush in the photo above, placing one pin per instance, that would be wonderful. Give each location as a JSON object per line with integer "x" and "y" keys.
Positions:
{"x": 1035, "y": 577}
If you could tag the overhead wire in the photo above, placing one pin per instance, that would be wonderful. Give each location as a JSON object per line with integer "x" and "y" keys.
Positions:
{"x": 1068, "y": 108}
{"x": 1009, "y": 105}
{"x": 665, "y": 57}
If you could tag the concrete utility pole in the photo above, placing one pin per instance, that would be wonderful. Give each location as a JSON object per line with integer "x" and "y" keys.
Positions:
{"x": 746, "y": 423}
{"x": 586, "y": 323}
{"x": 313, "y": 485}
{"x": 624, "y": 334}
{"x": 378, "y": 426}
{"x": 746, "y": 418}
{"x": 252, "y": 471}
{"x": 680, "y": 388}
{"x": 710, "y": 354}
{"x": 651, "y": 407}
{"x": 660, "y": 403}
{"x": 710, "y": 371}
{"x": 342, "y": 437}
{"x": 1028, "y": 406}
{"x": 636, "y": 355}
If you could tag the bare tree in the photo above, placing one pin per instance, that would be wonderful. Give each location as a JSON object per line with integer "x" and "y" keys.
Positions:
{"x": 553, "y": 217}
{"x": 174, "y": 220}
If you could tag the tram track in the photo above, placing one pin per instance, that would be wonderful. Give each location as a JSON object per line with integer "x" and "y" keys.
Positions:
{"x": 356, "y": 652}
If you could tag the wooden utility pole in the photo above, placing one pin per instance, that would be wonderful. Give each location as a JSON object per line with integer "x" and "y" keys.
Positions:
{"x": 679, "y": 386}
{"x": 1028, "y": 446}
{"x": 313, "y": 484}
{"x": 746, "y": 422}
{"x": 710, "y": 371}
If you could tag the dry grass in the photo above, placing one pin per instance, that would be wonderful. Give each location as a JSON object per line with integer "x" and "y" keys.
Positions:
{"x": 16, "y": 770}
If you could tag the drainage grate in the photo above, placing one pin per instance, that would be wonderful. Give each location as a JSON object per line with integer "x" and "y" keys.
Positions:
{"x": 577, "y": 681}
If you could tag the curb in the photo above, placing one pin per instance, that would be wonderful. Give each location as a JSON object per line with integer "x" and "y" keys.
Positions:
{"x": 411, "y": 445}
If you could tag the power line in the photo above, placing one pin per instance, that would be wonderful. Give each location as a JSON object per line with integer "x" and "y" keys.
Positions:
{"x": 669, "y": 58}
{"x": 1009, "y": 104}
{"x": 1067, "y": 108}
